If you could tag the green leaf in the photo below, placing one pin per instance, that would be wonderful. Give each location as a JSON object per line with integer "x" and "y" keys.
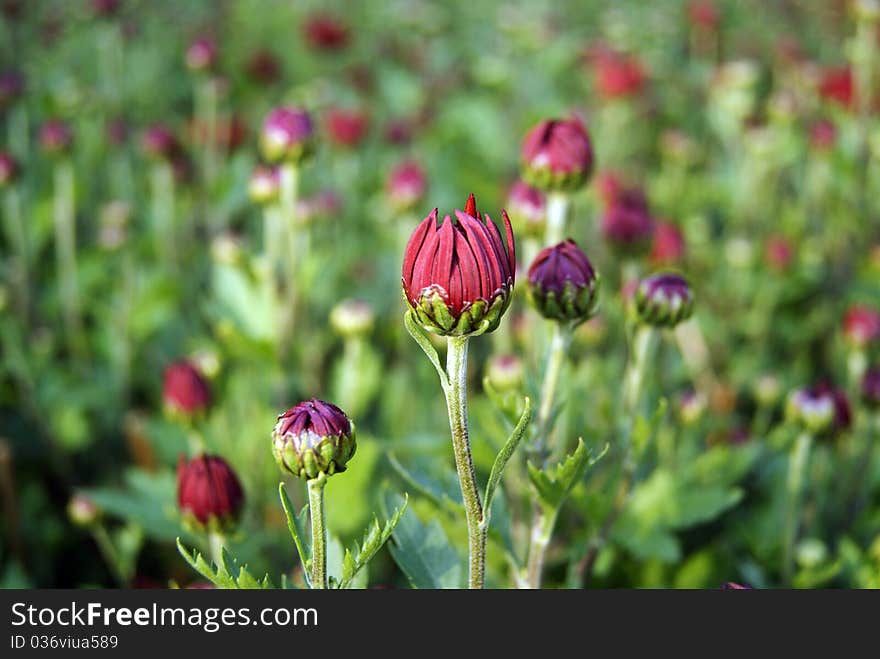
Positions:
{"x": 553, "y": 484}
{"x": 423, "y": 552}
{"x": 374, "y": 538}
{"x": 296, "y": 524}
{"x": 504, "y": 456}
{"x": 445, "y": 499}
{"x": 645, "y": 428}
{"x": 228, "y": 574}
{"x": 418, "y": 334}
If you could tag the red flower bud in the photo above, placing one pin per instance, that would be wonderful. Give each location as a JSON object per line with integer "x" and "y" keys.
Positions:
{"x": 8, "y": 169}
{"x": 527, "y": 207}
{"x": 325, "y": 32}
{"x": 55, "y": 137}
{"x": 287, "y": 135}
{"x": 347, "y": 127}
{"x": 627, "y": 223}
{"x": 563, "y": 284}
{"x": 201, "y": 55}
{"x": 458, "y": 276}
{"x": 117, "y": 131}
{"x": 313, "y": 438}
{"x": 837, "y": 85}
{"x": 209, "y": 494}
{"x": 861, "y": 326}
{"x": 105, "y": 8}
{"x": 159, "y": 142}
{"x": 617, "y": 75}
{"x": 668, "y": 247}
{"x": 406, "y": 185}
{"x": 264, "y": 67}
{"x": 185, "y": 391}
{"x": 778, "y": 253}
{"x": 557, "y": 155}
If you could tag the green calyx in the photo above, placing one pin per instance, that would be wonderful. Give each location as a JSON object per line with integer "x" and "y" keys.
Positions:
{"x": 292, "y": 153}
{"x": 434, "y": 315}
{"x": 220, "y": 525}
{"x": 665, "y": 313}
{"x": 546, "y": 179}
{"x": 309, "y": 457}
{"x": 575, "y": 304}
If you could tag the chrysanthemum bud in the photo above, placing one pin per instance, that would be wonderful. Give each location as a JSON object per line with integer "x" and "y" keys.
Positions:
{"x": 82, "y": 511}
{"x": 527, "y": 207}
{"x": 861, "y": 326}
{"x": 8, "y": 169}
{"x": 287, "y": 135}
{"x": 819, "y": 409}
{"x": 105, "y": 8}
{"x": 871, "y": 388}
{"x": 264, "y": 67}
{"x": 11, "y": 87}
{"x": 352, "y": 318}
{"x": 313, "y": 438}
{"x": 324, "y": 31}
{"x": 563, "y": 284}
{"x": 201, "y": 55}
{"x": 55, "y": 137}
{"x": 823, "y": 135}
{"x": 185, "y": 392}
{"x": 627, "y": 223}
{"x": 159, "y": 142}
{"x": 406, "y": 185}
{"x": 617, "y": 75}
{"x": 668, "y": 246}
{"x": 778, "y": 253}
{"x": 505, "y": 372}
{"x": 557, "y": 155}
{"x": 703, "y": 15}
{"x": 264, "y": 185}
{"x": 664, "y": 299}
{"x": 458, "y": 276}
{"x": 209, "y": 494}
{"x": 347, "y": 127}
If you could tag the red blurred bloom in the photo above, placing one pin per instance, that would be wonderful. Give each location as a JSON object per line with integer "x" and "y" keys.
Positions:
{"x": 208, "y": 491}
{"x": 861, "y": 326}
{"x": 778, "y": 253}
{"x": 325, "y": 32}
{"x": 557, "y": 154}
{"x": 347, "y": 127}
{"x": 837, "y": 85}
{"x": 185, "y": 390}
{"x": 264, "y": 67}
{"x": 406, "y": 185}
{"x": 703, "y": 14}
{"x": 627, "y": 223}
{"x": 823, "y": 135}
{"x": 8, "y": 169}
{"x": 668, "y": 247}
{"x": 458, "y": 276}
{"x": 201, "y": 55}
{"x": 617, "y": 75}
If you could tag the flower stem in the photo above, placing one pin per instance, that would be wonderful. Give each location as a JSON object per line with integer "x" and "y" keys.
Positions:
{"x": 111, "y": 556}
{"x": 642, "y": 346}
{"x": 215, "y": 547}
{"x": 289, "y": 231}
{"x": 319, "y": 532}
{"x": 797, "y": 466}
{"x": 456, "y": 403}
{"x": 557, "y": 214}
{"x": 65, "y": 251}
{"x": 18, "y": 239}
{"x": 162, "y": 197}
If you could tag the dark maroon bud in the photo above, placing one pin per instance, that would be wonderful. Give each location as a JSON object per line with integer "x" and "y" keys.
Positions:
{"x": 527, "y": 207}
{"x": 201, "y": 56}
{"x": 287, "y": 135}
{"x": 399, "y": 131}
{"x": 871, "y": 388}
{"x": 458, "y": 276}
{"x": 8, "y": 169}
{"x": 557, "y": 155}
{"x": 209, "y": 494}
{"x": 12, "y": 9}
{"x": 563, "y": 285}
{"x": 627, "y": 223}
{"x": 11, "y": 87}
{"x": 325, "y": 32}
{"x": 406, "y": 185}
{"x": 313, "y": 438}
{"x": 105, "y": 8}
{"x": 159, "y": 142}
{"x": 664, "y": 299}
{"x": 55, "y": 137}
{"x": 347, "y": 127}
{"x": 186, "y": 392}
{"x": 264, "y": 67}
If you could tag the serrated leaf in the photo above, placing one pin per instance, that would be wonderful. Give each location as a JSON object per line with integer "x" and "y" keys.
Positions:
{"x": 418, "y": 334}
{"x": 374, "y": 538}
{"x": 504, "y": 456}
{"x": 296, "y": 524}
{"x": 422, "y": 551}
{"x": 224, "y": 574}
{"x": 553, "y": 484}
{"x": 645, "y": 428}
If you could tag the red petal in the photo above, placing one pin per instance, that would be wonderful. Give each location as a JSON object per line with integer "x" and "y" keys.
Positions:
{"x": 467, "y": 266}
{"x": 415, "y": 244}
{"x": 470, "y": 207}
{"x": 511, "y": 244}
{"x": 494, "y": 238}
{"x": 442, "y": 266}
{"x": 472, "y": 230}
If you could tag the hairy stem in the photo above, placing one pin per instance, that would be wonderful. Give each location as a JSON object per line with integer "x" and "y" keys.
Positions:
{"x": 319, "y": 532}
{"x": 456, "y": 403}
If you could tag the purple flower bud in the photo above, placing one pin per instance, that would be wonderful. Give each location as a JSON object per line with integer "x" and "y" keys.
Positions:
{"x": 627, "y": 223}
{"x": 287, "y": 135}
{"x": 264, "y": 185}
{"x": 406, "y": 185}
{"x": 563, "y": 285}
{"x": 55, "y": 137}
{"x": 664, "y": 299}
{"x": 8, "y": 169}
{"x": 11, "y": 87}
{"x": 159, "y": 142}
{"x": 313, "y": 438}
{"x": 527, "y": 207}
{"x": 557, "y": 155}
{"x": 871, "y": 388}
{"x": 201, "y": 55}
{"x": 209, "y": 494}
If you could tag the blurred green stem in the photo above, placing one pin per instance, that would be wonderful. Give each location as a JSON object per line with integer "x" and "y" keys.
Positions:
{"x": 319, "y": 532}
{"x": 644, "y": 341}
{"x": 206, "y": 115}
{"x": 291, "y": 247}
{"x": 111, "y": 556}
{"x": 65, "y": 252}
{"x": 456, "y": 403}
{"x": 18, "y": 239}
{"x": 557, "y": 214}
{"x": 794, "y": 485}
{"x": 162, "y": 198}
